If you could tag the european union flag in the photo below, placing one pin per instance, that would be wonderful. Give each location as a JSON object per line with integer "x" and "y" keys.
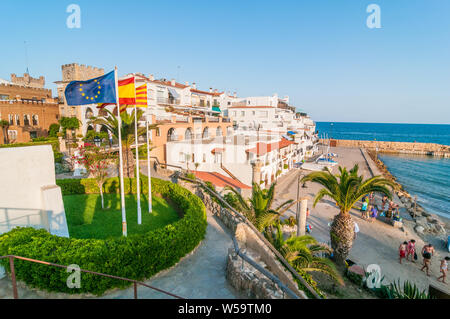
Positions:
{"x": 98, "y": 90}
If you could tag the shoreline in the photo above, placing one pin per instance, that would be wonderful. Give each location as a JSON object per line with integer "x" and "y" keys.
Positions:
{"x": 408, "y": 202}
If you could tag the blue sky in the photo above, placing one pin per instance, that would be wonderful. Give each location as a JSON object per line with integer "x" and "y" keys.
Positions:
{"x": 320, "y": 53}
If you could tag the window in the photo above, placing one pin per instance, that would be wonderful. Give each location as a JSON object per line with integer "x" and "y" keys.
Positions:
{"x": 234, "y": 113}
{"x": 204, "y": 157}
{"x": 11, "y": 119}
{"x": 229, "y": 103}
{"x": 26, "y": 120}
{"x": 219, "y": 131}
{"x": 34, "y": 119}
{"x": 12, "y": 134}
{"x": 205, "y": 133}
{"x": 33, "y": 134}
{"x": 253, "y": 112}
{"x": 17, "y": 119}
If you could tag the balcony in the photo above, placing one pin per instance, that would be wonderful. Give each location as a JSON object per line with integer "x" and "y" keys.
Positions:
{"x": 167, "y": 101}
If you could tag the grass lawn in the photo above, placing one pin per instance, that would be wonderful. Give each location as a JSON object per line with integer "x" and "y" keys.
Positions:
{"x": 86, "y": 219}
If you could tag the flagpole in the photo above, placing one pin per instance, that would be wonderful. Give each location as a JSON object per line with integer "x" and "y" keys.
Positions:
{"x": 138, "y": 184}
{"x": 148, "y": 166}
{"x": 122, "y": 192}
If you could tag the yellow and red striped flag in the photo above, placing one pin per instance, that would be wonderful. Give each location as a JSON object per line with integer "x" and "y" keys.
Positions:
{"x": 141, "y": 96}
{"x": 127, "y": 91}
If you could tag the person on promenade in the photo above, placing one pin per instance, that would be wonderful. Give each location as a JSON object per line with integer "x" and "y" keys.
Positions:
{"x": 371, "y": 198}
{"x": 384, "y": 202}
{"x": 427, "y": 253}
{"x": 444, "y": 268}
{"x": 411, "y": 251}
{"x": 402, "y": 251}
{"x": 373, "y": 213}
{"x": 356, "y": 230}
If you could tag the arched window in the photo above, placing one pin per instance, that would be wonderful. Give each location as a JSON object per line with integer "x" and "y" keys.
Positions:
{"x": 89, "y": 113}
{"x": 219, "y": 131}
{"x": 102, "y": 112}
{"x": 171, "y": 135}
{"x": 205, "y": 133}
{"x": 89, "y": 128}
{"x": 35, "y": 120}
{"x": 188, "y": 134}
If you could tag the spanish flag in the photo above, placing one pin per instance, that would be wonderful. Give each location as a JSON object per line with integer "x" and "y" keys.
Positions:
{"x": 141, "y": 96}
{"x": 127, "y": 91}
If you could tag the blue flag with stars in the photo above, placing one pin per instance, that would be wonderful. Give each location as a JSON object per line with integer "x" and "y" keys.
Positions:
{"x": 93, "y": 91}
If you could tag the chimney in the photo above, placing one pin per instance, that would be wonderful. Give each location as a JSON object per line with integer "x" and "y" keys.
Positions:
{"x": 151, "y": 77}
{"x": 234, "y": 94}
{"x": 210, "y": 90}
{"x": 186, "y": 83}
{"x": 172, "y": 82}
{"x": 194, "y": 86}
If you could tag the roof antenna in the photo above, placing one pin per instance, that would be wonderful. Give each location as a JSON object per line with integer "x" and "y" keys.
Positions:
{"x": 26, "y": 56}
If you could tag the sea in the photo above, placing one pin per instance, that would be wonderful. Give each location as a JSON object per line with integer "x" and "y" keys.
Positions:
{"x": 426, "y": 177}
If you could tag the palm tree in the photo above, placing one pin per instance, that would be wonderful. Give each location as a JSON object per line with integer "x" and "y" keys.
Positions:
{"x": 345, "y": 189}
{"x": 111, "y": 123}
{"x": 302, "y": 253}
{"x": 4, "y": 124}
{"x": 258, "y": 208}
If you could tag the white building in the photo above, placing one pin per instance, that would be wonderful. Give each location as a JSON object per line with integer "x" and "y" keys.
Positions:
{"x": 234, "y": 156}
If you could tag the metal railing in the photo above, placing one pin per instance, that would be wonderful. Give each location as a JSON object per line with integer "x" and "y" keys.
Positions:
{"x": 259, "y": 235}
{"x": 135, "y": 282}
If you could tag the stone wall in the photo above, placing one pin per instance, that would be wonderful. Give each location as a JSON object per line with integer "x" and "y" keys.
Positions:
{"x": 395, "y": 147}
{"x": 47, "y": 114}
{"x": 17, "y": 92}
{"x": 28, "y": 80}
{"x": 247, "y": 279}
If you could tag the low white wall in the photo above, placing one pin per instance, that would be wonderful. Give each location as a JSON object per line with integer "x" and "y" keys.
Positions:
{"x": 29, "y": 195}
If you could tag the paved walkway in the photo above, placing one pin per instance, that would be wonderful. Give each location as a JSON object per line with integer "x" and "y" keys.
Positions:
{"x": 199, "y": 275}
{"x": 377, "y": 242}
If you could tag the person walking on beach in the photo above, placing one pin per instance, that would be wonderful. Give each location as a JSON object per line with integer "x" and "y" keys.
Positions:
{"x": 444, "y": 268}
{"x": 427, "y": 253}
{"x": 402, "y": 251}
{"x": 411, "y": 250}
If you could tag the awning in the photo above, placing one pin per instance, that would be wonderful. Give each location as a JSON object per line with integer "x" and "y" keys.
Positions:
{"x": 216, "y": 108}
{"x": 174, "y": 93}
{"x": 292, "y": 132}
{"x": 218, "y": 150}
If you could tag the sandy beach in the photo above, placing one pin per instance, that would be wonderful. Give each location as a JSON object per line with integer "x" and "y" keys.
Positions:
{"x": 377, "y": 242}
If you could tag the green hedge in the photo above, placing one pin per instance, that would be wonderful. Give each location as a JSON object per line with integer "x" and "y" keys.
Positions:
{"x": 136, "y": 257}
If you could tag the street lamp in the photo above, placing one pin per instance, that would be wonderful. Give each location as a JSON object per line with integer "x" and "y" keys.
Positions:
{"x": 97, "y": 141}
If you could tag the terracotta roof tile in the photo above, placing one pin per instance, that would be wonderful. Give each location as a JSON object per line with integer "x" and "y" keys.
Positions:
{"x": 264, "y": 148}
{"x": 220, "y": 180}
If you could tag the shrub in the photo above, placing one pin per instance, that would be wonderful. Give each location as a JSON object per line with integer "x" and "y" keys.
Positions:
{"x": 136, "y": 257}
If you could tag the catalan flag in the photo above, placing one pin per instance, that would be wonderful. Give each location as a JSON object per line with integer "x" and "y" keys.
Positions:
{"x": 141, "y": 96}
{"x": 127, "y": 91}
